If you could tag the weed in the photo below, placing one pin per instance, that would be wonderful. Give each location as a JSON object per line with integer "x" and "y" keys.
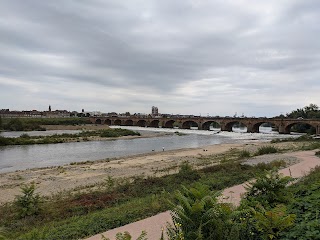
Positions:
{"x": 266, "y": 150}
{"x": 244, "y": 154}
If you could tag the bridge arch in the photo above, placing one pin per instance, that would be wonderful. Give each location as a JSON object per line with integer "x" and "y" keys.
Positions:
{"x": 154, "y": 123}
{"x": 188, "y": 124}
{"x": 208, "y": 124}
{"x": 169, "y": 124}
{"x": 128, "y": 122}
{"x": 256, "y": 126}
{"x": 117, "y": 122}
{"x": 229, "y": 125}
{"x": 301, "y": 127}
{"x": 142, "y": 123}
{"x": 98, "y": 121}
{"x": 107, "y": 121}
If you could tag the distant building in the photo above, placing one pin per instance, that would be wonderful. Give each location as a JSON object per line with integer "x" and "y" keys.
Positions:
{"x": 154, "y": 111}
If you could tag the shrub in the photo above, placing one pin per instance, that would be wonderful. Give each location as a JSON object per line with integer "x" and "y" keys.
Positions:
{"x": 266, "y": 150}
{"x": 244, "y": 154}
{"x": 317, "y": 153}
{"x": 25, "y": 136}
{"x": 269, "y": 189}
{"x": 186, "y": 172}
{"x": 29, "y": 203}
{"x": 272, "y": 223}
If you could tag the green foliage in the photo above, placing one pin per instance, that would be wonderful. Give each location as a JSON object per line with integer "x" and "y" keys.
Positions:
{"x": 198, "y": 214}
{"x": 3, "y": 233}
{"x": 317, "y": 153}
{"x": 28, "y": 204}
{"x": 34, "y": 123}
{"x": 272, "y": 223}
{"x": 117, "y": 132}
{"x": 244, "y": 154}
{"x": 266, "y": 150}
{"x": 74, "y": 216}
{"x": 269, "y": 189}
{"x": 306, "y": 207}
{"x": 1, "y": 123}
{"x": 127, "y": 236}
{"x": 186, "y": 172}
{"x": 19, "y": 124}
{"x": 25, "y": 139}
{"x": 311, "y": 111}
{"x": 277, "y": 164}
{"x": 25, "y": 135}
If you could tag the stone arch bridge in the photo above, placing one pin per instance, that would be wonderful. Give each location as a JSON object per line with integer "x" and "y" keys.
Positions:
{"x": 203, "y": 123}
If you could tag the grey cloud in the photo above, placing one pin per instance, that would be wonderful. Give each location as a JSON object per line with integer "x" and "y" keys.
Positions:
{"x": 159, "y": 47}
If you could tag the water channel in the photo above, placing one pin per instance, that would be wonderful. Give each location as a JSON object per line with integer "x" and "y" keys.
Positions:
{"x": 19, "y": 157}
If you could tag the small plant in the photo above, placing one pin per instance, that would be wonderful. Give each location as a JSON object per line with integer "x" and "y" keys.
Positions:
{"x": 266, "y": 150}
{"x": 25, "y": 135}
{"x": 29, "y": 203}
{"x": 186, "y": 171}
{"x": 244, "y": 154}
{"x": 110, "y": 183}
{"x": 127, "y": 236}
{"x": 317, "y": 153}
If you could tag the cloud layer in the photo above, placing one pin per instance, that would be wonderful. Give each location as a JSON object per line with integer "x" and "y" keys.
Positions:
{"x": 217, "y": 57}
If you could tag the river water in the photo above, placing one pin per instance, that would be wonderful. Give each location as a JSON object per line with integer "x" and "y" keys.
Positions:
{"x": 14, "y": 158}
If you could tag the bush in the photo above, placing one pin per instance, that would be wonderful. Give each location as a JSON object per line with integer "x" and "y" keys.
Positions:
{"x": 26, "y": 136}
{"x": 266, "y": 150}
{"x": 269, "y": 189}
{"x": 244, "y": 154}
{"x": 29, "y": 203}
{"x": 186, "y": 172}
{"x": 317, "y": 153}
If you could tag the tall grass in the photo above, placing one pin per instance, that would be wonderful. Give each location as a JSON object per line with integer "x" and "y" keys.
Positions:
{"x": 266, "y": 150}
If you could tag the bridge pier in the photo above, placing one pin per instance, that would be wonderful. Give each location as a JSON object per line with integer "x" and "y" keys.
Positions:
{"x": 318, "y": 130}
{"x": 250, "y": 128}
{"x": 283, "y": 130}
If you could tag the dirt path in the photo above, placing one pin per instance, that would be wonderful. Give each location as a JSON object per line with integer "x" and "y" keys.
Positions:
{"x": 153, "y": 225}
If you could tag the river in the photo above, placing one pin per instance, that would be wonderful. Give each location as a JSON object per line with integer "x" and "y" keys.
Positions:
{"x": 14, "y": 158}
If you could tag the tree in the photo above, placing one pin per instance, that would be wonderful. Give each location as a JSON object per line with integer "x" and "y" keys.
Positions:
{"x": 28, "y": 204}
{"x": 0, "y": 122}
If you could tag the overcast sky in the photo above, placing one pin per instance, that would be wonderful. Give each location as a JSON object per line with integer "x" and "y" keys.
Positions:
{"x": 218, "y": 57}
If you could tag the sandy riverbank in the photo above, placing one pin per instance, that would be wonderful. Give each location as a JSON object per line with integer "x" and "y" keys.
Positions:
{"x": 81, "y": 175}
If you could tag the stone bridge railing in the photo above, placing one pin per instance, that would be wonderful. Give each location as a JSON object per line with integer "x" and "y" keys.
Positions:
{"x": 203, "y": 123}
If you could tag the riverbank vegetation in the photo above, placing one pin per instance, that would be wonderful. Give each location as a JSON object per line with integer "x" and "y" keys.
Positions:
{"x": 116, "y": 202}
{"x": 25, "y": 139}
{"x": 34, "y": 124}
{"x": 113, "y": 203}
